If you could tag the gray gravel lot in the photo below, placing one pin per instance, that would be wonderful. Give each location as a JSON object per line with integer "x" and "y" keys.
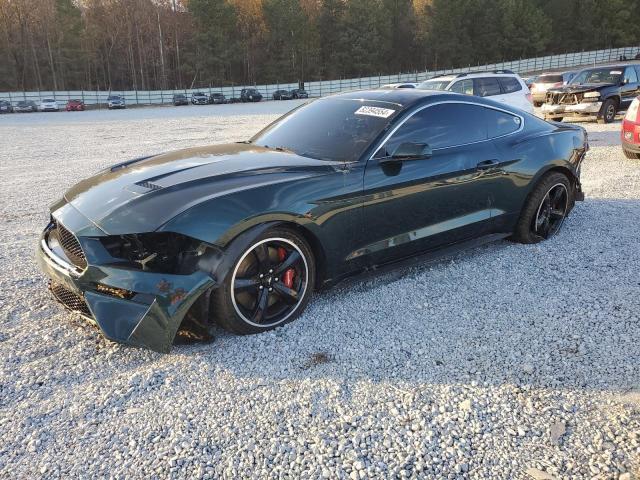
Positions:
{"x": 509, "y": 361}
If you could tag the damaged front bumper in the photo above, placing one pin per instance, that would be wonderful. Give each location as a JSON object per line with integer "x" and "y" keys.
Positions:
{"x": 131, "y": 306}
{"x": 584, "y": 108}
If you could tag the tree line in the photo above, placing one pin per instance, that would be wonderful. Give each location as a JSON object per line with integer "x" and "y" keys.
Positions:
{"x": 174, "y": 44}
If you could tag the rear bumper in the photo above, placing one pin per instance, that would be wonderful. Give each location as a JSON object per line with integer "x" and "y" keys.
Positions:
{"x": 149, "y": 317}
{"x": 631, "y": 147}
{"x": 586, "y": 108}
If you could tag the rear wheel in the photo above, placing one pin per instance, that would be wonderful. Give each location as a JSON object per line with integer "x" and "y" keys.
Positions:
{"x": 556, "y": 119}
{"x": 537, "y": 104}
{"x": 608, "y": 112}
{"x": 631, "y": 155}
{"x": 545, "y": 209}
{"x": 269, "y": 285}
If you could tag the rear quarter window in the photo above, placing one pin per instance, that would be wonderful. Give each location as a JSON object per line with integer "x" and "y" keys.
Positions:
{"x": 486, "y": 87}
{"x": 501, "y": 123}
{"x": 510, "y": 84}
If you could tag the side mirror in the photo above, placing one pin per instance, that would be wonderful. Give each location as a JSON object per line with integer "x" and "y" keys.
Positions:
{"x": 412, "y": 151}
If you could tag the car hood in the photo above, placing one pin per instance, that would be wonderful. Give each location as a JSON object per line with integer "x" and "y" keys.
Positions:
{"x": 587, "y": 87}
{"x": 142, "y": 195}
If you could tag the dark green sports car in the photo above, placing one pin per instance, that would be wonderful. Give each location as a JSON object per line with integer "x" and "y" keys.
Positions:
{"x": 242, "y": 234}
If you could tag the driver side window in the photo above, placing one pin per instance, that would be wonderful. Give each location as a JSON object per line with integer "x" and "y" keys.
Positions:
{"x": 440, "y": 126}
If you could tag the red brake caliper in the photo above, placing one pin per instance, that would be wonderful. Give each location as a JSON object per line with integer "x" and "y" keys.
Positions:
{"x": 287, "y": 278}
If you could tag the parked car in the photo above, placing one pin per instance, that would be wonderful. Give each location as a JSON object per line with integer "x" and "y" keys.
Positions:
{"x": 250, "y": 95}
{"x": 547, "y": 81}
{"x": 199, "y": 98}
{"x": 180, "y": 99}
{"x": 49, "y": 105}
{"x": 74, "y": 106}
{"x": 26, "y": 106}
{"x": 499, "y": 85}
{"x": 141, "y": 244}
{"x": 529, "y": 81}
{"x": 630, "y": 133}
{"x": 217, "y": 98}
{"x": 115, "y": 101}
{"x": 400, "y": 85}
{"x": 299, "y": 93}
{"x": 282, "y": 95}
{"x": 5, "y": 107}
{"x": 600, "y": 91}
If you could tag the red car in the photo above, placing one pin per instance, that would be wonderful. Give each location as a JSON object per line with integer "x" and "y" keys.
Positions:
{"x": 630, "y": 133}
{"x": 74, "y": 105}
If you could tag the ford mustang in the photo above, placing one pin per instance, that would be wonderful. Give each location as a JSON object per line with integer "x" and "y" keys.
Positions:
{"x": 242, "y": 234}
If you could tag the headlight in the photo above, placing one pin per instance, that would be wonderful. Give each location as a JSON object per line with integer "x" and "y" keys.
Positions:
{"x": 591, "y": 94}
{"x": 161, "y": 252}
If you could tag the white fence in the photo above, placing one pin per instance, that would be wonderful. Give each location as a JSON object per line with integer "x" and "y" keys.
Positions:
{"x": 326, "y": 87}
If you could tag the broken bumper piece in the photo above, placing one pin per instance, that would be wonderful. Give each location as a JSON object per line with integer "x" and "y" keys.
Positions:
{"x": 135, "y": 307}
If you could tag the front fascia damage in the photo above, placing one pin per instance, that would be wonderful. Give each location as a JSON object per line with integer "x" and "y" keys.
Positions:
{"x": 129, "y": 305}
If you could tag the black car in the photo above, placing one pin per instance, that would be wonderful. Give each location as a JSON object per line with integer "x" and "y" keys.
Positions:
{"x": 5, "y": 107}
{"x": 299, "y": 93}
{"x": 600, "y": 91}
{"x": 217, "y": 98}
{"x": 26, "y": 106}
{"x": 282, "y": 95}
{"x": 199, "y": 98}
{"x": 180, "y": 99}
{"x": 250, "y": 95}
{"x": 241, "y": 234}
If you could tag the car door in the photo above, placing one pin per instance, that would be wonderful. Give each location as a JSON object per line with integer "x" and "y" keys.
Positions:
{"x": 421, "y": 204}
{"x": 630, "y": 88}
{"x": 488, "y": 87}
{"x": 513, "y": 93}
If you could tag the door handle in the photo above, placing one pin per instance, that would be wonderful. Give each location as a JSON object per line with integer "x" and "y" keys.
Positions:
{"x": 487, "y": 164}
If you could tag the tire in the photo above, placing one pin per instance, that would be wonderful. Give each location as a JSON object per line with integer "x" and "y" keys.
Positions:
{"x": 631, "y": 155}
{"x": 257, "y": 279}
{"x": 538, "y": 104}
{"x": 556, "y": 119}
{"x": 609, "y": 111}
{"x": 541, "y": 206}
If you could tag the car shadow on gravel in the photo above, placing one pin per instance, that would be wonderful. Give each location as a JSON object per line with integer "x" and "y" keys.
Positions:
{"x": 561, "y": 314}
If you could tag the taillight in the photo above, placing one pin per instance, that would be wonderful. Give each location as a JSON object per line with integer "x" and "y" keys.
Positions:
{"x": 529, "y": 98}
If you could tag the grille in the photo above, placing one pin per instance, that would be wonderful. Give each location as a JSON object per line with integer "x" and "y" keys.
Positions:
{"x": 69, "y": 299}
{"x": 71, "y": 246}
{"x": 564, "y": 98}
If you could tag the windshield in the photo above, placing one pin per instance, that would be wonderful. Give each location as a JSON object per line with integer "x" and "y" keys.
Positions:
{"x": 434, "y": 85}
{"x": 113, "y": 98}
{"x": 598, "y": 75}
{"x": 48, "y": 100}
{"x": 335, "y": 129}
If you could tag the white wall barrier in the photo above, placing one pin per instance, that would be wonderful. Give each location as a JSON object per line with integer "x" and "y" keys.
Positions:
{"x": 326, "y": 87}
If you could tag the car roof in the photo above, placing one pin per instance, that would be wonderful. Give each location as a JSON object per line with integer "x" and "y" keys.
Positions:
{"x": 404, "y": 97}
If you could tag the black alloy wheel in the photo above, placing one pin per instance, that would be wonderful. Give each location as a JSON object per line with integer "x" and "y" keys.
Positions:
{"x": 551, "y": 212}
{"x": 545, "y": 209}
{"x": 608, "y": 113}
{"x": 270, "y": 284}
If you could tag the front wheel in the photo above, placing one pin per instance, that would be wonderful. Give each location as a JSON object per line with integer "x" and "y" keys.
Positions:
{"x": 269, "y": 285}
{"x": 545, "y": 209}
{"x": 608, "y": 113}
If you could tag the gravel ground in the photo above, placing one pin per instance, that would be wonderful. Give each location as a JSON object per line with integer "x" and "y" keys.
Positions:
{"x": 509, "y": 361}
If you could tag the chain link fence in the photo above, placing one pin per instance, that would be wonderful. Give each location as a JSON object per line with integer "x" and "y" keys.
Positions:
{"x": 326, "y": 87}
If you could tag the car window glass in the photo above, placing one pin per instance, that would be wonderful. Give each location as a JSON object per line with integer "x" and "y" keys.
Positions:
{"x": 509, "y": 84}
{"x": 486, "y": 87}
{"x": 463, "y": 86}
{"x": 348, "y": 127}
{"x": 630, "y": 75}
{"x": 440, "y": 126}
{"x": 501, "y": 123}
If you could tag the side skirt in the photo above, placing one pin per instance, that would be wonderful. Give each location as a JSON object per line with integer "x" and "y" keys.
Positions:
{"x": 422, "y": 258}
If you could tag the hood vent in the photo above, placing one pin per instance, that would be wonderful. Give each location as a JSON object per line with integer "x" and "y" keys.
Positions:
{"x": 148, "y": 185}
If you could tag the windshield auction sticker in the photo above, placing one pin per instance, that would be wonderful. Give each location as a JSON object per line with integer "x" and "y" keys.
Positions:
{"x": 375, "y": 112}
